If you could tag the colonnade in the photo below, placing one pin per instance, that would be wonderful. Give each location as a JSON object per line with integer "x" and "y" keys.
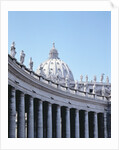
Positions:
{"x": 46, "y": 120}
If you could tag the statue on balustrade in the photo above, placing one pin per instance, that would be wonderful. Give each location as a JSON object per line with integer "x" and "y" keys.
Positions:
{"x": 86, "y": 78}
{"x": 13, "y": 52}
{"x": 22, "y": 57}
{"x": 31, "y": 64}
{"x": 107, "y": 79}
{"x": 81, "y": 78}
{"x": 95, "y": 78}
{"x": 102, "y": 77}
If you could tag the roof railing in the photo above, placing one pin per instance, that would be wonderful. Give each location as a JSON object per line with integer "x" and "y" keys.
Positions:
{"x": 58, "y": 85}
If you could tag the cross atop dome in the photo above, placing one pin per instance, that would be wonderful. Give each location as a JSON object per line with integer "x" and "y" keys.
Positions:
{"x": 53, "y": 45}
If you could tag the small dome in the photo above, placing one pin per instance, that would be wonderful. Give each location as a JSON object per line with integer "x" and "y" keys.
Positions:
{"x": 54, "y": 68}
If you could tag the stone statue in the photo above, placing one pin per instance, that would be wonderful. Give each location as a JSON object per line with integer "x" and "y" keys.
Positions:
{"x": 13, "y": 52}
{"x": 107, "y": 79}
{"x": 81, "y": 78}
{"x": 22, "y": 57}
{"x": 102, "y": 77}
{"x": 95, "y": 78}
{"x": 86, "y": 78}
{"x": 31, "y": 64}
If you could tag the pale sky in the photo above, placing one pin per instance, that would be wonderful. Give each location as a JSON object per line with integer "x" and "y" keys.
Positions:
{"x": 82, "y": 38}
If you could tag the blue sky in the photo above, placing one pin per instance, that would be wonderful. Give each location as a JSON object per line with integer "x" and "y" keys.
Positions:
{"x": 82, "y": 38}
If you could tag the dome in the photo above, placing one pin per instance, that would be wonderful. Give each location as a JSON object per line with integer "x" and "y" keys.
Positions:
{"x": 54, "y": 68}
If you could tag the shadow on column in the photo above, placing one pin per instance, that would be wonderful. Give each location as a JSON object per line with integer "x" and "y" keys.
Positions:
{"x": 82, "y": 123}
{"x": 72, "y": 122}
{"x": 45, "y": 108}
{"x": 54, "y": 108}
{"x": 100, "y": 125}
{"x": 91, "y": 125}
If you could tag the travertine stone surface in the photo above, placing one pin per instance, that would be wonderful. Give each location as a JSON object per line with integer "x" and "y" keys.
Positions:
{"x": 49, "y": 121}
{"x": 39, "y": 119}
{"x": 76, "y": 123}
{"x": 58, "y": 121}
{"x": 30, "y": 118}
{"x": 67, "y": 123}
{"x": 86, "y": 125}
{"x": 21, "y": 116}
{"x": 95, "y": 125}
{"x": 105, "y": 125}
{"x": 11, "y": 112}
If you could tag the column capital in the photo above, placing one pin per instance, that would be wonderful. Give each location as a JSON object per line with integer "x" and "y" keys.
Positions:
{"x": 86, "y": 111}
{"x": 76, "y": 110}
{"x": 95, "y": 113}
{"x": 49, "y": 104}
{"x": 21, "y": 93}
{"x": 40, "y": 101}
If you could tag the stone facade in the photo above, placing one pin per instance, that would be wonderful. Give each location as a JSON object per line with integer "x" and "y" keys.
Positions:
{"x": 42, "y": 108}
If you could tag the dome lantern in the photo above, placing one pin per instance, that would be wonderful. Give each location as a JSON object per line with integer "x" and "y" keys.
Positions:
{"x": 53, "y": 53}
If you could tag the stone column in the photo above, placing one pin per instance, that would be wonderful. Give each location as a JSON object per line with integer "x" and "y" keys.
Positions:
{"x": 30, "y": 118}
{"x": 105, "y": 125}
{"x": 49, "y": 121}
{"x": 95, "y": 125}
{"x": 67, "y": 122}
{"x": 76, "y": 123}
{"x": 21, "y": 116}
{"x": 58, "y": 123}
{"x": 86, "y": 125}
{"x": 39, "y": 120}
{"x": 11, "y": 112}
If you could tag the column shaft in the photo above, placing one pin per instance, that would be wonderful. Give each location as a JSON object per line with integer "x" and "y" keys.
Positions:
{"x": 58, "y": 123}
{"x": 49, "y": 121}
{"x": 11, "y": 112}
{"x": 86, "y": 125}
{"x": 67, "y": 123}
{"x": 95, "y": 125}
{"x": 76, "y": 123}
{"x": 30, "y": 118}
{"x": 105, "y": 125}
{"x": 21, "y": 116}
{"x": 39, "y": 120}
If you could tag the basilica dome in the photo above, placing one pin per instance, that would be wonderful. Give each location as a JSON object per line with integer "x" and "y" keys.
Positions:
{"x": 54, "y": 68}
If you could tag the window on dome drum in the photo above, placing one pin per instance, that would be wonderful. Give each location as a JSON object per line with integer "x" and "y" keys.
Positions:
{"x": 57, "y": 63}
{"x": 51, "y": 62}
{"x": 90, "y": 90}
